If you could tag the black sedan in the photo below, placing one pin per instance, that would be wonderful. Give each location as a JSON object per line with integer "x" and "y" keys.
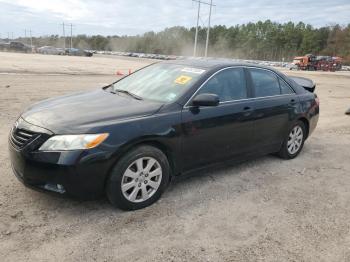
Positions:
{"x": 127, "y": 140}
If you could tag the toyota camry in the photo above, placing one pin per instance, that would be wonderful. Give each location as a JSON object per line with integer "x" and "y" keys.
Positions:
{"x": 127, "y": 140}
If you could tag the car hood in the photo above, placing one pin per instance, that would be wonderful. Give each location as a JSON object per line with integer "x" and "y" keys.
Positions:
{"x": 83, "y": 112}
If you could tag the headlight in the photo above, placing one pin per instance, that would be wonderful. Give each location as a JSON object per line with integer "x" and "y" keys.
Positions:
{"x": 73, "y": 142}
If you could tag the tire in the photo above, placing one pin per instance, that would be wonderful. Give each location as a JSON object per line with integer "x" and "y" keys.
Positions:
{"x": 287, "y": 150}
{"x": 141, "y": 187}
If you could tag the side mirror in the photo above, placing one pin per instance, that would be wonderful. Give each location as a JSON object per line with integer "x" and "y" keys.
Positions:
{"x": 206, "y": 100}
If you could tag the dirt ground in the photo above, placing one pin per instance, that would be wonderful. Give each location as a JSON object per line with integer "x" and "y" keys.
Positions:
{"x": 265, "y": 209}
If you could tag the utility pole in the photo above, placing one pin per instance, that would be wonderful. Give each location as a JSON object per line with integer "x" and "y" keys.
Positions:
{"x": 207, "y": 42}
{"x": 198, "y": 16}
{"x": 71, "y": 36}
{"x": 64, "y": 38}
{"x": 196, "y": 36}
{"x": 31, "y": 39}
{"x": 25, "y": 35}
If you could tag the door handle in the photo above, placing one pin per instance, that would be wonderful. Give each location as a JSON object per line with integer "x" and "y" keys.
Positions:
{"x": 292, "y": 101}
{"x": 247, "y": 111}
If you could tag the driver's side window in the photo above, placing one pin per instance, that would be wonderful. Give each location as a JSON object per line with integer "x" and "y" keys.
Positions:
{"x": 229, "y": 84}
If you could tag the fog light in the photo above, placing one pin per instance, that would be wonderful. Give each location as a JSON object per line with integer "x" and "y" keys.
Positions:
{"x": 60, "y": 188}
{"x": 55, "y": 188}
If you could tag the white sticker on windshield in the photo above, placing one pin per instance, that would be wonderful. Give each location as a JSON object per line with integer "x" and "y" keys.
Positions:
{"x": 193, "y": 70}
{"x": 171, "y": 96}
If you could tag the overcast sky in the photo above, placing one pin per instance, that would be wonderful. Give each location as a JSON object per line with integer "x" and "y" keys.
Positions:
{"x": 130, "y": 17}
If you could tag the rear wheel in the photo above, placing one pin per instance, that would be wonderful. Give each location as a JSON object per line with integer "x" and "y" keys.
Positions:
{"x": 294, "y": 141}
{"x": 138, "y": 179}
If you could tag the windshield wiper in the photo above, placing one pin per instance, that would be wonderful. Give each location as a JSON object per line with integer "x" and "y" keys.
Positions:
{"x": 126, "y": 92}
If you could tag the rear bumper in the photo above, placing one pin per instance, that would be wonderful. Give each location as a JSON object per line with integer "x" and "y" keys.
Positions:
{"x": 79, "y": 174}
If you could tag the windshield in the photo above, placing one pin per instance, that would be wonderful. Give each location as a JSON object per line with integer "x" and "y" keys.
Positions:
{"x": 160, "y": 82}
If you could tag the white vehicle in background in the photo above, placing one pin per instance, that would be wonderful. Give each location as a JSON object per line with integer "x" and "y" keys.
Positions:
{"x": 292, "y": 66}
{"x": 50, "y": 50}
{"x": 346, "y": 68}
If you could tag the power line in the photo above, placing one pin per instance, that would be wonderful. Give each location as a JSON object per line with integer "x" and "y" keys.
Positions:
{"x": 196, "y": 36}
{"x": 198, "y": 17}
{"x": 207, "y": 42}
{"x": 31, "y": 38}
{"x": 64, "y": 37}
{"x": 71, "y": 36}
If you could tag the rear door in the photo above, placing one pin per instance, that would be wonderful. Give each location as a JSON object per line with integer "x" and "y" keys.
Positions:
{"x": 275, "y": 106}
{"x": 216, "y": 133}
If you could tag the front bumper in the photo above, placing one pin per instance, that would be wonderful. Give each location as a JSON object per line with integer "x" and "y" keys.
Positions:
{"x": 79, "y": 174}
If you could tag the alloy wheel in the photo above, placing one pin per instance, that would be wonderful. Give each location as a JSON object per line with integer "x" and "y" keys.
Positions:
{"x": 295, "y": 140}
{"x": 141, "y": 179}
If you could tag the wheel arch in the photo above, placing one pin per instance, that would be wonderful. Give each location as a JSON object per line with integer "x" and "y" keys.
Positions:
{"x": 306, "y": 123}
{"x": 170, "y": 155}
{"x": 162, "y": 147}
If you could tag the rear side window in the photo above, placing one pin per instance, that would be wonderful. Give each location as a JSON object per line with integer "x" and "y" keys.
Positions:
{"x": 229, "y": 84}
{"x": 265, "y": 83}
{"x": 285, "y": 88}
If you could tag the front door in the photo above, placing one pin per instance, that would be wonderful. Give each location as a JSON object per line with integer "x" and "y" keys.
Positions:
{"x": 216, "y": 133}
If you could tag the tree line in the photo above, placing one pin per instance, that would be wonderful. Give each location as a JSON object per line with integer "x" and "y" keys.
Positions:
{"x": 263, "y": 40}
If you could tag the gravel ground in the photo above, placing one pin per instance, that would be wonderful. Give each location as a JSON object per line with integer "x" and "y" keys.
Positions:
{"x": 265, "y": 209}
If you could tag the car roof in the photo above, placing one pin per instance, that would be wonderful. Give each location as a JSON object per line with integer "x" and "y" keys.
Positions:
{"x": 219, "y": 63}
{"x": 212, "y": 63}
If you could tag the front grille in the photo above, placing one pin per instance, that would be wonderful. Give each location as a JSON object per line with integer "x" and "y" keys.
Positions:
{"x": 20, "y": 137}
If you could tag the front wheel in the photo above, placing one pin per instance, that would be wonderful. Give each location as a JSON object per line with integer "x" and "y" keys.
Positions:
{"x": 294, "y": 141}
{"x": 138, "y": 179}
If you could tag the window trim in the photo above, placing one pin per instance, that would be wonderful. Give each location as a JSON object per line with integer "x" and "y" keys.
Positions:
{"x": 187, "y": 104}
